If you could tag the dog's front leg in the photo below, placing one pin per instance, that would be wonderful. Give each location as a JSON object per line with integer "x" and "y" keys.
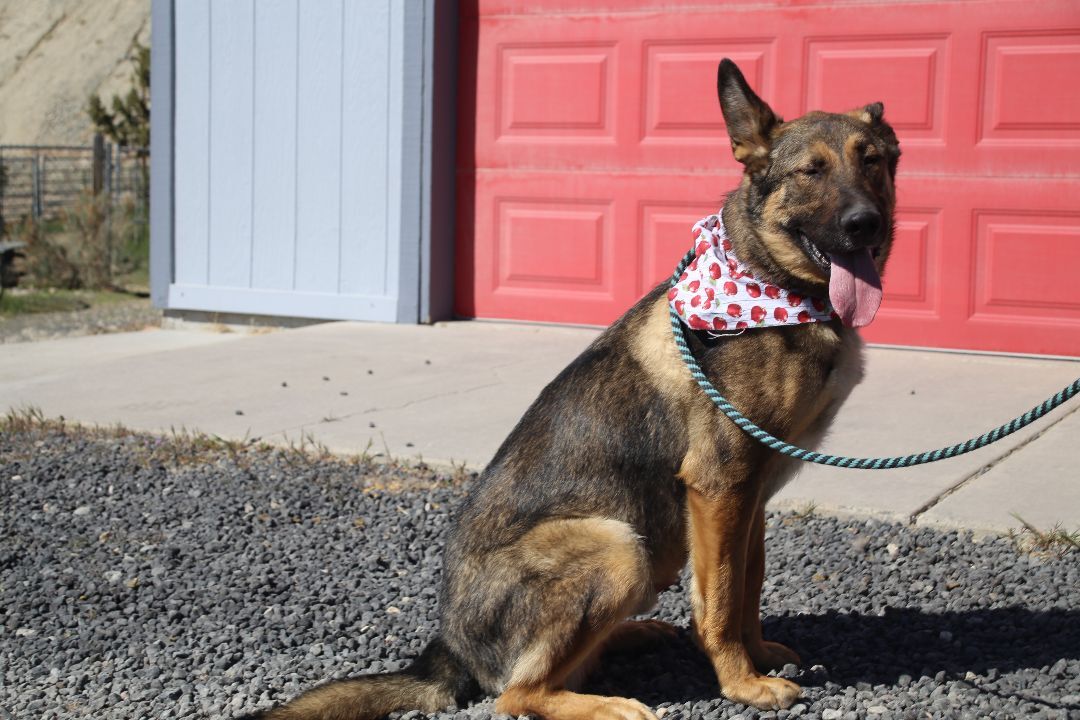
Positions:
{"x": 720, "y": 529}
{"x": 766, "y": 655}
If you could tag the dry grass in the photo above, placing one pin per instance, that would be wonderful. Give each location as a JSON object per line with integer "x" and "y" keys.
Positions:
{"x": 379, "y": 471}
{"x": 1056, "y": 542}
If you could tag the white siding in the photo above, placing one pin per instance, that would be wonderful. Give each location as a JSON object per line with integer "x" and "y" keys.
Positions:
{"x": 192, "y": 151}
{"x": 293, "y": 164}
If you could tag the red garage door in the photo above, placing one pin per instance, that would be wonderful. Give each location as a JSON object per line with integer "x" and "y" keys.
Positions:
{"x": 590, "y": 141}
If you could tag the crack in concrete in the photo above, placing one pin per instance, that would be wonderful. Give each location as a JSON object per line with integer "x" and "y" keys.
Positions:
{"x": 970, "y": 478}
{"x": 382, "y": 408}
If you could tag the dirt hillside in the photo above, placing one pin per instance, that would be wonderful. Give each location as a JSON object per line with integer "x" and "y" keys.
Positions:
{"x": 54, "y": 54}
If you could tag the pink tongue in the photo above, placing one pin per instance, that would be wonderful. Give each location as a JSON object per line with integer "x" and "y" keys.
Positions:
{"x": 854, "y": 287}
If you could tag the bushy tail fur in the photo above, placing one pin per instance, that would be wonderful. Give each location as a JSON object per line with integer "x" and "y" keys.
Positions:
{"x": 435, "y": 680}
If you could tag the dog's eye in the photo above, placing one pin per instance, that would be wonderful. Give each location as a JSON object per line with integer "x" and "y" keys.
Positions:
{"x": 871, "y": 160}
{"x": 810, "y": 171}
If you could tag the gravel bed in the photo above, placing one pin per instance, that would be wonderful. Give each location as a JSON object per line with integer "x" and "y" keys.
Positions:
{"x": 121, "y": 316}
{"x": 150, "y": 578}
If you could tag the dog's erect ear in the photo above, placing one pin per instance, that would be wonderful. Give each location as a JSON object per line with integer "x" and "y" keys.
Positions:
{"x": 873, "y": 115}
{"x": 749, "y": 120}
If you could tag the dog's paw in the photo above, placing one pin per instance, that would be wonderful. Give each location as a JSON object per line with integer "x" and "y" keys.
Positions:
{"x": 564, "y": 705}
{"x": 617, "y": 708}
{"x": 764, "y": 693}
{"x": 772, "y": 655}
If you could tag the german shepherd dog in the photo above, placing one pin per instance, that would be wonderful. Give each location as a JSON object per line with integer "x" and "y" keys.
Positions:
{"x": 623, "y": 469}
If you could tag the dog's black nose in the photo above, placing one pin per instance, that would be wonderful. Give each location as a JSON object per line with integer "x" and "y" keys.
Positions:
{"x": 861, "y": 224}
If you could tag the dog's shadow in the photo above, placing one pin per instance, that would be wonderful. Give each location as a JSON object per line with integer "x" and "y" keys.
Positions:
{"x": 855, "y": 648}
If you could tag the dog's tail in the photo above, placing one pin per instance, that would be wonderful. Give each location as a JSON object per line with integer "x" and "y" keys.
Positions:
{"x": 433, "y": 681}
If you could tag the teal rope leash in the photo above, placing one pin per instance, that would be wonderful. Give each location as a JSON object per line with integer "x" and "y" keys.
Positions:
{"x": 883, "y": 463}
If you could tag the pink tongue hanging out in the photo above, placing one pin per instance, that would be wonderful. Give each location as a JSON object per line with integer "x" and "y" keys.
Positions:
{"x": 854, "y": 287}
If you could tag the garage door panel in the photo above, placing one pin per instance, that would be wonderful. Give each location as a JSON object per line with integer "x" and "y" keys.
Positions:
{"x": 550, "y": 93}
{"x": 848, "y": 72}
{"x": 682, "y": 113}
{"x": 1020, "y": 70}
{"x": 658, "y": 108}
{"x": 666, "y": 237}
{"x": 592, "y": 140}
{"x": 1005, "y": 278}
{"x": 530, "y": 76}
{"x": 554, "y": 246}
{"x": 551, "y": 248}
{"x": 1018, "y": 269}
{"x": 585, "y": 247}
{"x": 909, "y": 282}
{"x": 1028, "y": 117}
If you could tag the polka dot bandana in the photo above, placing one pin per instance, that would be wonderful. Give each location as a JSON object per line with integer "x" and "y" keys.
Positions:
{"x": 719, "y": 293}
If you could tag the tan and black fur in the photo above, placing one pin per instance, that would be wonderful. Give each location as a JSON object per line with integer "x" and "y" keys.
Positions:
{"x": 623, "y": 470}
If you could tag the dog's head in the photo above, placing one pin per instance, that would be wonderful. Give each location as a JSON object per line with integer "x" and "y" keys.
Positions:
{"x": 817, "y": 194}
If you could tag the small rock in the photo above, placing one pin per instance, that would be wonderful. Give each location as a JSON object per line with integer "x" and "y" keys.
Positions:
{"x": 893, "y": 549}
{"x": 25, "y": 632}
{"x": 81, "y": 510}
{"x": 877, "y": 710}
{"x": 945, "y": 636}
{"x": 113, "y": 575}
{"x": 831, "y": 714}
{"x": 239, "y": 412}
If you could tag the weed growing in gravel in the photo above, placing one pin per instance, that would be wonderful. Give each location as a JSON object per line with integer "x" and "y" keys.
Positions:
{"x": 25, "y": 419}
{"x": 376, "y": 472}
{"x": 1056, "y": 541}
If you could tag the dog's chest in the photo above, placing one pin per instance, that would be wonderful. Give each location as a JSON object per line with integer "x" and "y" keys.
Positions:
{"x": 811, "y": 423}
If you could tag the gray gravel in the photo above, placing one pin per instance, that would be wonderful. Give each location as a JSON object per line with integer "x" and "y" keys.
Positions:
{"x": 121, "y": 316}
{"x": 142, "y": 578}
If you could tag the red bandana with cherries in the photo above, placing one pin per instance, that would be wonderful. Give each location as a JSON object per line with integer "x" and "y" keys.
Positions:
{"x": 717, "y": 292}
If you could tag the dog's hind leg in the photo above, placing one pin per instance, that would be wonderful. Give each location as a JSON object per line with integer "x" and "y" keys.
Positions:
{"x": 585, "y": 576}
{"x": 640, "y": 634}
{"x": 766, "y": 655}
